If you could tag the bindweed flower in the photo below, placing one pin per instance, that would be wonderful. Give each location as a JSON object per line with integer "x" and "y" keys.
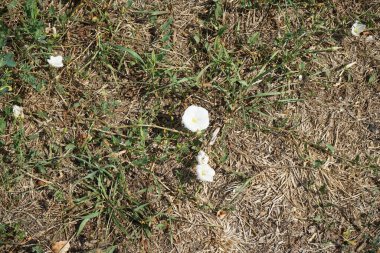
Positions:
{"x": 357, "y": 28}
{"x": 56, "y": 61}
{"x": 18, "y": 112}
{"x": 195, "y": 118}
{"x": 202, "y": 157}
{"x": 205, "y": 173}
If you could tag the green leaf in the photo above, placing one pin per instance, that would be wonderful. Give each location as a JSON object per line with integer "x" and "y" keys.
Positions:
{"x": 373, "y": 78}
{"x": 140, "y": 208}
{"x": 110, "y": 249}
{"x": 167, "y": 24}
{"x": 12, "y": 5}
{"x": 221, "y": 30}
{"x": 86, "y": 219}
{"x": 4, "y": 89}
{"x": 318, "y": 163}
{"x": 330, "y": 148}
{"x": 27, "y": 77}
{"x": 70, "y": 147}
{"x": 132, "y": 53}
{"x": 37, "y": 249}
{"x": 3, "y": 34}
{"x": 196, "y": 38}
{"x": 40, "y": 168}
{"x": 267, "y": 94}
{"x": 31, "y": 9}
{"x": 7, "y": 60}
{"x": 254, "y": 39}
{"x": 201, "y": 73}
{"x": 218, "y": 9}
{"x": 3, "y": 125}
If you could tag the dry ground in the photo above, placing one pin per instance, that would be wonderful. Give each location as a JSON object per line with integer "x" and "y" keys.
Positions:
{"x": 101, "y": 158}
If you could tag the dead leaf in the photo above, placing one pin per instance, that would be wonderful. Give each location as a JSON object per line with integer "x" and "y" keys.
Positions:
{"x": 221, "y": 214}
{"x": 41, "y": 183}
{"x": 214, "y": 136}
{"x": 206, "y": 85}
{"x": 60, "y": 247}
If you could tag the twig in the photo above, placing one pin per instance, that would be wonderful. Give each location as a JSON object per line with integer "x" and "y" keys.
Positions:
{"x": 37, "y": 178}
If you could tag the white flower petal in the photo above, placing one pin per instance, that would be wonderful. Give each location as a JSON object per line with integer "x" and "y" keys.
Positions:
{"x": 56, "y": 61}
{"x": 18, "y": 112}
{"x": 205, "y": 173}
{"x": 370, "y": 38}
{"x": 202, "y": 157}
{"x": 195, "y": 118}
{"x": 357, "y": 28}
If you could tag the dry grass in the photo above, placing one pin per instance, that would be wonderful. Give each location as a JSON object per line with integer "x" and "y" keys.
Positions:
{"x": 297, "y": 160}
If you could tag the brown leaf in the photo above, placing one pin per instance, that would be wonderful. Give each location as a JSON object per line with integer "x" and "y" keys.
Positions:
{"x": 60, "y": 247}
{"x": 41, "y": 183}
{"x": 221, "y": 214}
{"x": 206, "y": 85}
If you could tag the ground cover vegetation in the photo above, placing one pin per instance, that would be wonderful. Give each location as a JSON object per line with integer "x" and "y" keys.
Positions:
{"x": 95, "y": 152}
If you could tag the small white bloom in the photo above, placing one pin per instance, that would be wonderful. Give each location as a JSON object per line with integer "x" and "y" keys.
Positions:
{"x": 56, "y": 61}
{"x": 18, "y": 112}
{"x": 357, "y": 28}
{"x": 195, "y": 118}
{"x": 202, "y": 157}
{"x": 205, "y": 173}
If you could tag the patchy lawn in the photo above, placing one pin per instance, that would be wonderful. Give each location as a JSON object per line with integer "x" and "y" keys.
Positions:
{"x": 101, "y": 158}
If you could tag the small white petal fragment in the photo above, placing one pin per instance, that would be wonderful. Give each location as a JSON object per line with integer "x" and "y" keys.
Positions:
{"x": 214, "y": 136}
{"x": 54, "y": 31}
{"x": 18, "y": 112}
{"x": 202, "y": 157}
{"x": 357, "y": 28}
{"x": 205, "y": 173}
{"x": 195, "y": 118}
{"x": 369, "y": 39}
{"x": 60, "y": 247}
{"x": 56, "y": 61}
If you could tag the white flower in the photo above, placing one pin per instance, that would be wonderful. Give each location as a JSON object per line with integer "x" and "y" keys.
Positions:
{"x": 56, "y": 61}
{"x": 205, "y": 173}
{"x": 357, "y": 28}
{"x": 195, "y": 118}
{"x": 18, "y": 112}
{"x": 202, "y": 157}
